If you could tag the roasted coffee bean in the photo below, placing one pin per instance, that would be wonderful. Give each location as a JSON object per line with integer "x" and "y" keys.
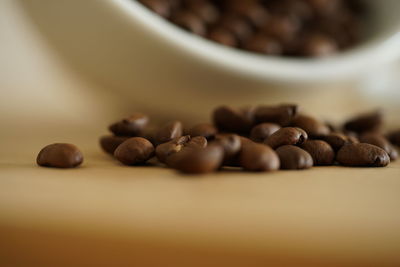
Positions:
{"x": 362, "y": 155}
{"x": 197, "y": 160}
{"x": 59, "y": 155}
{"x": 197, "y": 142}
{"x": 258, "y": 157}
{"x": 204, "y": 10}
{"x": 238, "y": 26}
{"x": 229, "y": 119}
{"x": 294, "y": 158}
{"x": 282, "y": 114}
{"x": 109, "y": 142}
{"x": 231, "y": 145}
{"x": 251, "y": 10}
{"x": 368, "y": 122}
{"x": 223, "y": 36}
{"x": 318, "y": 45}
{"x": 313, "y": 127}
{"x": 168, "y": 132}
{"x": 261, "y": 43}
{"x": 379, "y": 141}
{"x": 161, "y": 7}
{"x": 394, "y": 137}
{"x": 130, "y": 126}
{"x": 286, "y": 136}
{"x": 163, "y": 151}
{"x": 321, "y": 152}
{"x": 283, "y": 28}
{"x": 190, "y": 22}
{"x": 337, "y": 140}
{"x": 262, "y": 131}
{"x": 203, "y": 129}
{"x": 134, "y": 151}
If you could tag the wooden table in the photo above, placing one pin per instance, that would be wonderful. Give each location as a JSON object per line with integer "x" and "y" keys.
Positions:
{"x": 105, "y": 214}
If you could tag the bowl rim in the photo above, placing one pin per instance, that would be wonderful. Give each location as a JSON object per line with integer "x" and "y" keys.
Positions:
{"x": 347, "y": 65}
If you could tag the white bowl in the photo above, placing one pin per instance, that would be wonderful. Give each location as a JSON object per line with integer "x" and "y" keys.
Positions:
{"x": 124, "y": 46}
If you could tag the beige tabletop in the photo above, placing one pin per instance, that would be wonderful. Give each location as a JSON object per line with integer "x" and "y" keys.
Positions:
{"x": 105, "y": 214}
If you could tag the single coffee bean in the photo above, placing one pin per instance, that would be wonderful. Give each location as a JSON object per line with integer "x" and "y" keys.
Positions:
{"x": 394, "y": 137}
{"x": 286, "y": 136}
{"x": 319, "y": 45}
{"x": 313, "y": 127}
{"x": 362, "y": 155}
{"x": 258, "y": 157}
{"x": 168, "y": 132}
{"x": 203, "y": 129}
{"x": 59, "y": 155}
{"x": 206, "y": 11}
{"x": 222, "y": 36}
{"x": 231, "y": 145}
{"x": 190, "y": 22}
{"x": 294, "y": 158}
{"x": 238, "y": 26}
{"x": 130, "y": 126}
{"x": 368, "y": 122}
{"x": 161, "y": 7}
{"x": 282, "y": 114}
{"x": 380, "y": 141}
{"x": 134, "y": 151}
{"x": 163, "y": 151}
{"x": 321, "y": 152}
{"x": 262, "y": 131}
{"x": 231, "y": 120}
{"x": 261, "y": 43}
{"x": 197, "y": 160}
{"x": 110, "y": 142}
{"x": 337, "y": 140}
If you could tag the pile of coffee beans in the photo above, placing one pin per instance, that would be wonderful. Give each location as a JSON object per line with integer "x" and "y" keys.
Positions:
{"x": 262, "y": 138}
{"x": 301, "y": 28}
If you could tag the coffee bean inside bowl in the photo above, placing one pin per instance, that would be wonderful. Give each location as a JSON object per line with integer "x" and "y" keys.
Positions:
{"x": 301, "y": 28}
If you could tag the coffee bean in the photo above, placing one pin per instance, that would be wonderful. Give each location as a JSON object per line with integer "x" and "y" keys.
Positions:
{"x": 262, "y": 131}
{"x": 261, "y": 43}
{"x": 109, "y": 142}
{"x": 197, "y": 160}
{"x": 251, "y": 10}
{"x": 134, "y": 151}
{"x": 130, "y": 126}
{"x": 203, "y": 129}
{"x": 190, "y": 22}
{"x": 239, "y": 27}
{"x": 319, "y": 45}
{"x": 286, "y": 136}
{"x": 294, "y": 158}
{"x": 231, "y": 145}
{"x": 161, "y": 7}
{"x": 222, "y": 36}
{"x": 282, "y": 114}
{"x": 337, "y": 140}
{"x": 204, "y": 10}
{"x": 367, "y": 122}
{"x": 362, "y": 155}
{"x": 197, "y": 142}
{"x": 313, "y": 127}
{"x": 283, "y": 28}
{"x": 231, "y": 120}
{"x": 321, "y": 152}
{"x": 258, "y": 157}
{"x": 163, "y": 151}
{"x": 59, "y": 155}
{"x": 380, "y": 141}
{"x": 168, "y": 132}
{"x": 394, "y": 137}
